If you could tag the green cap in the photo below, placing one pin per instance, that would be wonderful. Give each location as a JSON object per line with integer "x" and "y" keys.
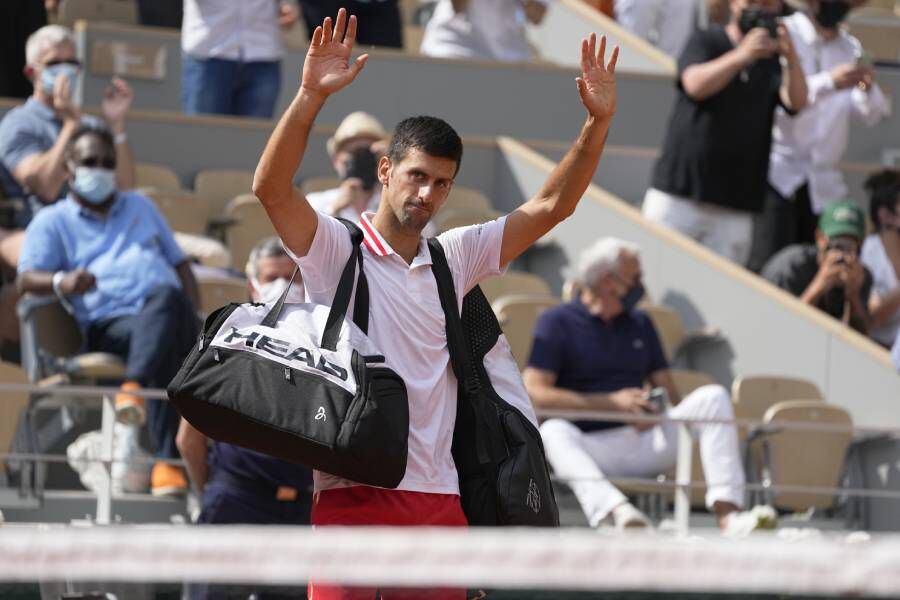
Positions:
{"x": 843, "y": 218}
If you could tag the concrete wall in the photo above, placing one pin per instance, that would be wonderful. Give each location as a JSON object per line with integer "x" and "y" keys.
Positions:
{"x": 768, "y": 331}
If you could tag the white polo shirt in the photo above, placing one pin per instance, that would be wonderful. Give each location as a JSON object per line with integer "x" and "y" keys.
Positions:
{"x": 245, "y": 30}
{"x": 406, "y": 323}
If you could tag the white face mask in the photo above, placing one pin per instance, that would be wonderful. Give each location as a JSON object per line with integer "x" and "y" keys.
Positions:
{"x": 271, "y": 291}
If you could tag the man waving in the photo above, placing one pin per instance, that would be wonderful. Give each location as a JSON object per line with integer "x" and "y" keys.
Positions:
{"x": 407, "y": 321}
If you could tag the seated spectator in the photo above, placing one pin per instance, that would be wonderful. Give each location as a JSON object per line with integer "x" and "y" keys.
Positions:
{"x": 482, "y": 29}
{"x": 804, "y": 176}
{"x": 667, "y": 24}
{"x": 711, "y": 177}
{"x": 881, "y": 255}
{"x": 829, "y": 274}
{"x": 352, "y": 146}
{"x": 598, "y": 353}
{"x": 111, "y": 259}
{"x": 237, "y": 485}
{"x": 231, "y": 55}
{"x": 34, "y": 136}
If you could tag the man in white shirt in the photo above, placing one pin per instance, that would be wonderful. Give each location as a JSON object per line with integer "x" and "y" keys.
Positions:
{"x": 482, "y": 29}
{"x": 803, "y": 166}
{"x": 231, "y": 55}
{"x": 407, "y": 320}
{"x": 358, "y": 132}
{"x": 667, "y": 24}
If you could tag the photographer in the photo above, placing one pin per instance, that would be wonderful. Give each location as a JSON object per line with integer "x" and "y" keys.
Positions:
{"x": 829, "y": 274}
{"x": 711, "y": 176}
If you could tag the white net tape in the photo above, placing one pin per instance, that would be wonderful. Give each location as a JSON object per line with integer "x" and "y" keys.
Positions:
{"x": 490, "y": 559}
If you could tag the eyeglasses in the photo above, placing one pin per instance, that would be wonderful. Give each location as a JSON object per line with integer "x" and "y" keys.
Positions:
{"x": 93, "y": 162}
{"x": 66, "y": 61}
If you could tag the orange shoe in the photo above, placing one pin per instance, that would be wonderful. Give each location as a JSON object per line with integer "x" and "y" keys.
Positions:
{"x": 129, "y": 407}
{"x": 168, "y": 480}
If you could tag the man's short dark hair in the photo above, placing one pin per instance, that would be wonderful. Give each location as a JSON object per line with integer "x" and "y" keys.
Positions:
{"x": 884, "y": 191}
{"x": 430, "y": 135}
{"x": 101, "y": 132}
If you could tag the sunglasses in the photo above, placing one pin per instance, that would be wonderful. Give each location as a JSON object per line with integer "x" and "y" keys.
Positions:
{"x": 92, "y": 162}
{"x": 67, "y": 61}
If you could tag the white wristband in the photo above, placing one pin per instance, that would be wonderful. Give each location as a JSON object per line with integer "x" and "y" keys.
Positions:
{"x": 55, "y": 282}
{"x": 120, "y": 138}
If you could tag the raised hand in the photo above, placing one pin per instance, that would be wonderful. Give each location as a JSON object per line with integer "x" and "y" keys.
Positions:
{"x": 327, "y": 68}
{"x": 597, "y": 84}
{"x": 116, "y": 103}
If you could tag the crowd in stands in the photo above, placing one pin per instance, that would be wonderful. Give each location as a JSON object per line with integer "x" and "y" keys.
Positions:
{"x": 749, "y": 168}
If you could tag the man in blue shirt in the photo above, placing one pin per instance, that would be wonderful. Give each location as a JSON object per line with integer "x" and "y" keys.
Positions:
{"x": 238, "y": 485}
{"x": 112, "y": 260}
{"x": 597, "y": 353}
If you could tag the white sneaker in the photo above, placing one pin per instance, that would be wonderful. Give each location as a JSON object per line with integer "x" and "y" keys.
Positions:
{"x": 743, "y": 523}
{"x": 627, "y": 517}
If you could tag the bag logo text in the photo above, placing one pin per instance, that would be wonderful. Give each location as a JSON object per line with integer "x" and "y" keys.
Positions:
{"x": 282, "y": 349}
{"x": 320, "y": 414}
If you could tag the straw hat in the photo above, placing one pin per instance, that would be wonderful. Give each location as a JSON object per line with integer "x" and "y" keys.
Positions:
{"x": 356, "y": 124}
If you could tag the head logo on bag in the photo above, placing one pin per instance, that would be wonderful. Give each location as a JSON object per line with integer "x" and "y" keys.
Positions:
{"x": 533, "y": 499}
{"x": 282, "y": 349}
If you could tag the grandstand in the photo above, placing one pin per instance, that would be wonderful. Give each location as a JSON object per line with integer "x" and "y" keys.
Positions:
{"x": 815, "y": 400}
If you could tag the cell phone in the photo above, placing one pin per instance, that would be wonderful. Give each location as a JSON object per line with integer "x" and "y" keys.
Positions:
{"x": 658, "y": 398}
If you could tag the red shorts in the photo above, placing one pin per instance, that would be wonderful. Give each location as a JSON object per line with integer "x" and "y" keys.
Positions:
{"x": 363, "y": 505}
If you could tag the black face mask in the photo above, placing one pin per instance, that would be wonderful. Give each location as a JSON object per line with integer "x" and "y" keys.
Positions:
{"x": 830, "y": 14}
{"x": 632, "y": 296}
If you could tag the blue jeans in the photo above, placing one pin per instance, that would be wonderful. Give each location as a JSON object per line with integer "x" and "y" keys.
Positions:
{"x": 229, "y": 87}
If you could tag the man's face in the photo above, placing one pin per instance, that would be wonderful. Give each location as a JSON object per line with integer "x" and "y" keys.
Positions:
{"x": 271, "y": 268}
{"x": 844, "y": 246}
{"x": 345, "y": 150}
{"x": 90, "y": 151}
{"x": 612, "y": 286}
{"x": 56, "y": 54}
{"x": 416, "y": 187}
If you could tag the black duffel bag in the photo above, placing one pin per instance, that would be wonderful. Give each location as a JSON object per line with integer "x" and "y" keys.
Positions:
{"x": 499, "y": 456}
{"x": 298, "y": 382}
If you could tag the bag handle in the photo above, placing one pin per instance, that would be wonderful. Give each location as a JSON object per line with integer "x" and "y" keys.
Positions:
{"x": 460, "y": 359}
{"x": 341, "y": 300}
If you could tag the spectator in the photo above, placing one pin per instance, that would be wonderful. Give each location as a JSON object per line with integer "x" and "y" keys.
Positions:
{"x": 829, "y": 274}
{"x": 351, "y": 146}
{"x": 382, "y": 25}
{"x": 803, "y": 167}
{"x": 598, "y": 353}
{"x": 667, "y": 24}
{"x": 711, "y": 177}
{"x": 110, "y": 258}
{"x": 881, "y": 255}
{"x": 231, "y": 55}
{"x": 34, "y": 136}
{"x": 239, "y": 485}
{"x": 482, "y": 29}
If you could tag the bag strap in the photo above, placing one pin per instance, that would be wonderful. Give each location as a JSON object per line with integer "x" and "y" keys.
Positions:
{"x": 460, "y": 359}
{"x": 271, "y": 318}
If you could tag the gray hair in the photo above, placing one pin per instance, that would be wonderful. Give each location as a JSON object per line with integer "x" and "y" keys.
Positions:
{"x": 602, "y": 257}
{"x": 43, "y": 38}
{"x": 271, "y": 246}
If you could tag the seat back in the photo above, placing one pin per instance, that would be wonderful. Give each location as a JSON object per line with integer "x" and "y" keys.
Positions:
{"x": 251, "y": 225}
{"x": 319, "y": 184}
{"x": 218, "y": 186}
{"x": 514, "y": 283}
{"x": 111, "y": 11}
{"x": 149, "y": 175}
{"x": 518, "y": 315}
{"x": 466, "y": 198}
{"x": 753, "y": 395}
{"x": 805, "y": 457}
{"x": 451, "y": 218}
{"x": 668, "y": 325}
{"x": 47, "y": 332}
{"x": 219, "y": 291}
{"x": 183, "y": 211}
{"x": 11, "y": 405}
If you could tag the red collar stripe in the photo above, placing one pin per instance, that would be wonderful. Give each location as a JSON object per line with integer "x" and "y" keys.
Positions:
{"x": 371, "y": 238}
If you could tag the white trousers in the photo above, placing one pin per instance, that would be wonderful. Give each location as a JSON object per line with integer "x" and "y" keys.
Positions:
{"x": 725, "y": 231}
{"x": 587, "y": 459}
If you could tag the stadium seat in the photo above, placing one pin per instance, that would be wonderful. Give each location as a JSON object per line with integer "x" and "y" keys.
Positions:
{"x": 514, "y": 283}
{"x": 250, "y": 225}
{"x": 161, "y": 177}
{"x": 216, "y": 292}
{"x": 218, "y": 186}
{"x": 754, "y": 395}
{"x": 450, "y": 218}
{"x": 111, "y": 11}
{"x": 518, "y": 315}
{"x": 677, "y": 342}
{"x": 319, "y": 184}
{"x": 184, "y": 211}
{"x": 11, "y": 405}
{"x": 466, "y": 198}
{"x": 801, "y": 457}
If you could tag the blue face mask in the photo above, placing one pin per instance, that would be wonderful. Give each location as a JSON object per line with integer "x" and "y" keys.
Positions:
{"x": 94, "y": 185}
{"x": 49, "y": 75}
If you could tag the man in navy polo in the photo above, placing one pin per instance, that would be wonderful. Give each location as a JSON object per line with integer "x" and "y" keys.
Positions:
{"x": 111, "y": 259}
{"x": 599, "y": 353}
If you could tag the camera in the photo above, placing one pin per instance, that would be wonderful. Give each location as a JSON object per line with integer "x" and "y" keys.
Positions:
{"x": 362, "y": 164}
{"x": 757, "y": 17}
